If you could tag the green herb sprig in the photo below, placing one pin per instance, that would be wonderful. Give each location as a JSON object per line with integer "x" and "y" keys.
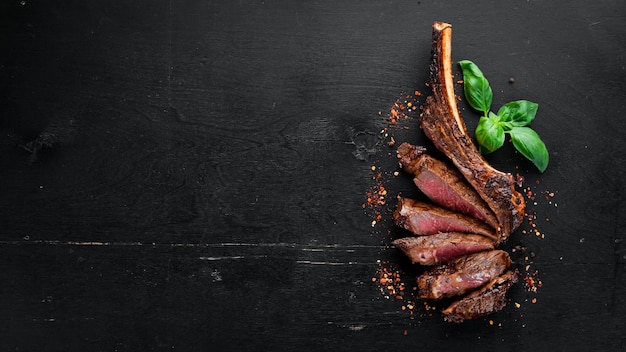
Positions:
{"x": 513, "y": 119}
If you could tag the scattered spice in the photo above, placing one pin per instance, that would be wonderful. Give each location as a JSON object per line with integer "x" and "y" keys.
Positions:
{"x": 390, "y": 283}
{"x": 376, "y": 194}
{"x": 403, "y": 107}
{"x": 532, "y": 281}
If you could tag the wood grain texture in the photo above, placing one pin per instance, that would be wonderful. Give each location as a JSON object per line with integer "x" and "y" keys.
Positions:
{"x": 182, "y": 174}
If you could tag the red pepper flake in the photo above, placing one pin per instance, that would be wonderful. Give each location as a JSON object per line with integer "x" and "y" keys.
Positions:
{"x": 403, "y": 108}
{"x": 532, "y": 282}
{"x": 389, "y": 280}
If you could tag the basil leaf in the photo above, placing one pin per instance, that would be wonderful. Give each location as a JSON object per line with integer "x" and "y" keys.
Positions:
{"x": 518, "y": 113}
{"x": 476, "y": 87}
{"x": 527, "y": 142}
{"x": 489, "y": 134}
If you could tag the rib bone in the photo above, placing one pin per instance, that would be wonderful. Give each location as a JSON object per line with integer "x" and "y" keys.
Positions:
{"x": 441, "y": 121}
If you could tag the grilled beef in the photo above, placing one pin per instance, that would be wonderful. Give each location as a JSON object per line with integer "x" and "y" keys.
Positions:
{"x": 444, "y": 184}
{"x": 488, "y": 299}
{"x": 442, "y": 122}
{"x": 408, "y": 154}
{"x": 426, "y": 219}
{"x": 462, "y": 275}
{"x": 442, "y": 247}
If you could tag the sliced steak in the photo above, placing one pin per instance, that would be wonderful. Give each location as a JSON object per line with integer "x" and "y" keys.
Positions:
{"x": 408, "y": 154}
{"x": 488, "y": 299}
{"x": 442, "y": 247}
{"x": 427, "y": 219}
{"x": 462, "y": 275}
{"x": 441, "y": 121}
{"x": 444, "y": 184}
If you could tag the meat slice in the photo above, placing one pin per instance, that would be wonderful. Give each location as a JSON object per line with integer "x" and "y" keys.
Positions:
{"x": 462, "y": 275}
{"x": 427, "y": 219}
{"x": 444, "y": 184}
{"x": 442, "y": 247}
{"x": 442, "y": 122}
{"x": 489, "y": 299}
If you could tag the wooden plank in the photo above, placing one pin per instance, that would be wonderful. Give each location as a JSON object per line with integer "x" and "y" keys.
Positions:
{"x": 188, "y": 175}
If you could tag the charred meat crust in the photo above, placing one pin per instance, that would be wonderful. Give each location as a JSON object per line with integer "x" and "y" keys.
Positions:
{"x": 462, "y": 275}
{"x": 441, "y": 121}
{"x": 442, "y": 247}
{"x": 444, "y": 184}
{"x": 427, "y": 219}
{"x": 409, "y": 156}
{"x": 489, "y": 299}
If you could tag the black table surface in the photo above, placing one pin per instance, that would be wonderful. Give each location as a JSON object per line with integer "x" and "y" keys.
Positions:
{"x": 193, "y": 175}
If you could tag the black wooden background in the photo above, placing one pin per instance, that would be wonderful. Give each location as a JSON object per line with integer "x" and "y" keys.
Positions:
{"x": 190, "y": 175}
